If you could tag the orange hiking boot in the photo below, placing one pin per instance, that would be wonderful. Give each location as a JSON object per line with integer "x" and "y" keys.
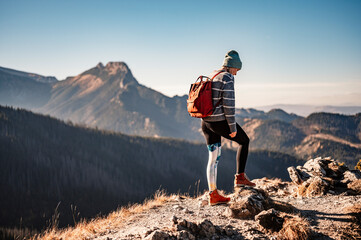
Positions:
{"x": 215, "y": 198}
{"x": 242, "y": 180}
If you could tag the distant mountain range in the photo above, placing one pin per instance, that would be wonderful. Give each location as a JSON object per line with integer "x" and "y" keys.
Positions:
{"x": 24, "y": 89}
{"x": 109, "y": 97}
{"x": 273, "y": 114}
{"x": 305, "y": 110}
{"x": 45, "y": 161}
{"x": 320, "y": 134}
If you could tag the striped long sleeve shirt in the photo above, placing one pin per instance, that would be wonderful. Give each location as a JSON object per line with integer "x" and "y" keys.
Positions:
{"x": 223, "y": 88}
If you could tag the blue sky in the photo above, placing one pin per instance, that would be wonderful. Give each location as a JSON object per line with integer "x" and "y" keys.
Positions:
{"x": 293, "y": 52}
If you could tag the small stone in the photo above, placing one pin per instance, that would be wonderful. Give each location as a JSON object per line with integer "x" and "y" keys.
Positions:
{"x": 270, "y": 219}
{"x": 203, "y": 203}
{"x": 207, "y": 228}
{"x": 177, "y": 207}
{"x": 179, "y": 198}
{"x": 158, "y": 235}
{"x": 150, "y": 231}
{"x": 185, "y": 235}
{"x": 229, "y": 231}
{"x": 183, "y": 223}
{"x": 355, "y": 186}
{"x": 193, "y": 227}
{"x": 186, "y": 210}
{"x": 350, "y": 176}
{"x": 174, "y": 219}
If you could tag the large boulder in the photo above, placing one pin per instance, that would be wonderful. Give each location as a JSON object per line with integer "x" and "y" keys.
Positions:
{"x": 247, "y": 202}
{"x": 321, "y": 175}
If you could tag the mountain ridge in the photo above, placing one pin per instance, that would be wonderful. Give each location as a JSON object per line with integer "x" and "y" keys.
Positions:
{"x": 305, "y": 110}
{"x": 109, "y": 97}
{"x": 33, "y": 76}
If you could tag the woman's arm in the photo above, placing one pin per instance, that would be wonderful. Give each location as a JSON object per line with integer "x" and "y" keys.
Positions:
{"x": 228, "y": 101}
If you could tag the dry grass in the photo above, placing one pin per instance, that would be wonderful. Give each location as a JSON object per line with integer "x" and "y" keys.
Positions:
{"x": 301, "y": 190}
{"x": 100, "y": 226}
{"x": 316, "y": 188}
{"x": 294, "y": 228}
{"x": 349, "y": 232}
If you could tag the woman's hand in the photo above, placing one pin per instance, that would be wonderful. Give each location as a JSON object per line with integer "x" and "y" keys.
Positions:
{"x": 233, "y": 134}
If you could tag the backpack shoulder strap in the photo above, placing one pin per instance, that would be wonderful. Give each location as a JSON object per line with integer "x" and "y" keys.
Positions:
{"x": 217, "y": 74}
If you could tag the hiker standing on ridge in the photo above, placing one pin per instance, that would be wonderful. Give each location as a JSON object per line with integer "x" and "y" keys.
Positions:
{"x": 222, "y": 123}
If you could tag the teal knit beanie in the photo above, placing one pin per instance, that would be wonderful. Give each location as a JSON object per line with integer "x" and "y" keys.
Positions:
{"x": 232, "y": 60}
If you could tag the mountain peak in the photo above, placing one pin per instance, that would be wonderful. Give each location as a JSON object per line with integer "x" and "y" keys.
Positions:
{"x": 114, "y": 66}
{"x": 100, "y": 65}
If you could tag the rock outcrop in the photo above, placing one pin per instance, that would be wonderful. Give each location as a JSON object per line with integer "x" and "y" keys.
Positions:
{"x": 324, "y": 175}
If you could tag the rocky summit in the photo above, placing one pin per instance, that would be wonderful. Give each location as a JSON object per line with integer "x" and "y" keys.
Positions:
{"x": 329, "y": 208}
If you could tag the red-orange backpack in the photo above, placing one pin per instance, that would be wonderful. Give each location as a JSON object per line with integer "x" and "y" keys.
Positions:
{"x": 200, "y": 102}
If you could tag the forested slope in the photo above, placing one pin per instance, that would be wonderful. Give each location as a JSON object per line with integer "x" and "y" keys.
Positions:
{"x": 44, "y": 161}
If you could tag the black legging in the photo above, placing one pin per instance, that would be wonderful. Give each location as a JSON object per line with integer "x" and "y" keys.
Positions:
{"x": 214, "y": 130}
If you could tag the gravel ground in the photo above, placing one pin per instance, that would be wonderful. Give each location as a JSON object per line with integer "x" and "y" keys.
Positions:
{"x": 326, "y": 215}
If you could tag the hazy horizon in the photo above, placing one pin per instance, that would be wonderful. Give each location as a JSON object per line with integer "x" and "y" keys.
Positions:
{"x": 299, "y": 52}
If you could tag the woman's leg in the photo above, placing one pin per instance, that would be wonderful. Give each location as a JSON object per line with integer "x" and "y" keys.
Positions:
{"x": 214, "y": 150}
{"x": 222, "y": 129}
{"x": 242, "y": 151}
